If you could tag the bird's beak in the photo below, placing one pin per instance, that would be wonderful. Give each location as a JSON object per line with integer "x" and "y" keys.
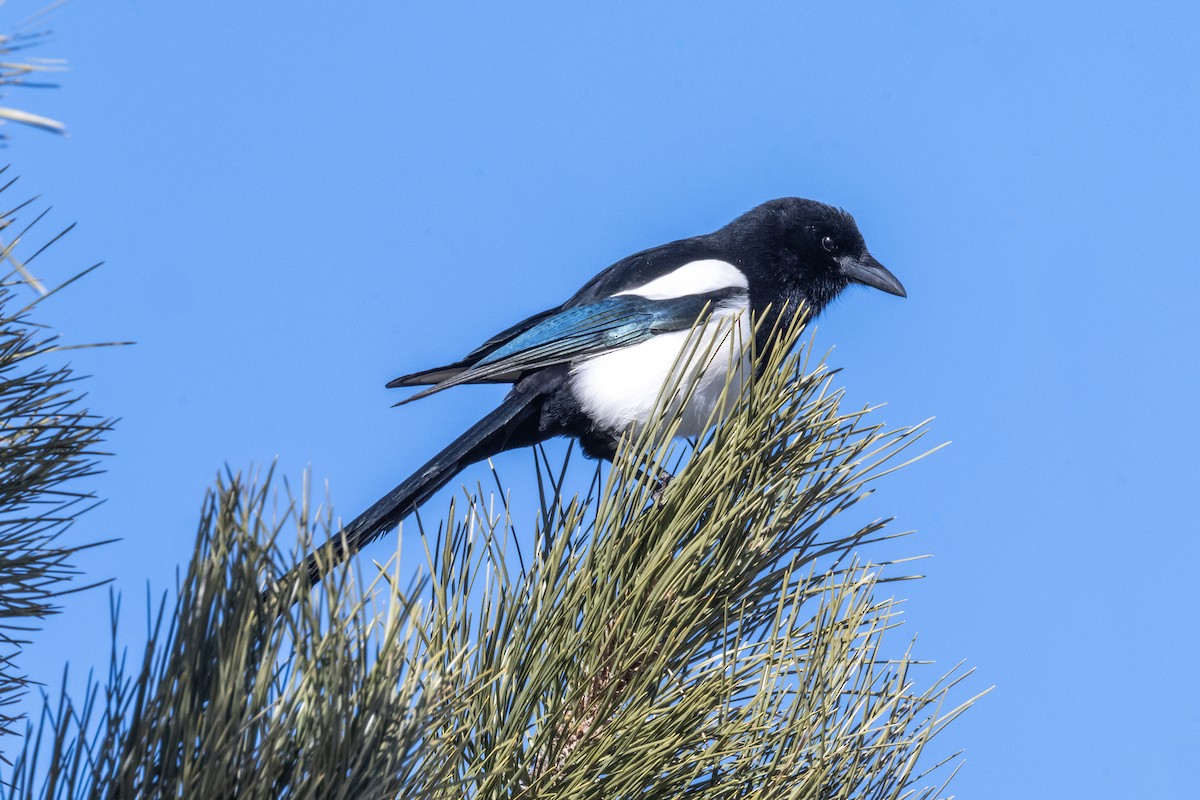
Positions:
{"x": 866, "y": 270}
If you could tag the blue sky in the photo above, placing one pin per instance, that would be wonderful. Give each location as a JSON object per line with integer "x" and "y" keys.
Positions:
{"x": 299, "y": 201}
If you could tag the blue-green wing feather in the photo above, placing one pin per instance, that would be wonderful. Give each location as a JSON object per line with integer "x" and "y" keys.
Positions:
{"x": 579, "y": 331}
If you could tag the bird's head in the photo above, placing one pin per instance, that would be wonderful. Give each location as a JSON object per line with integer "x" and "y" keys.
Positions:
{"x": 801, "y": 250}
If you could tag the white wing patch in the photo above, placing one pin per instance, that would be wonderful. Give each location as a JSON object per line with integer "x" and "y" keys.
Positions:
{"x": 619, "y": 389}
{"x": 694, "y": 277}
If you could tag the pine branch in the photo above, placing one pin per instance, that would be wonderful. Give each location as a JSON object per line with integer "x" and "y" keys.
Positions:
{"x": 720, "y": 638}
{"x": 48, "y": 442}
{"x": 19, "y": 70}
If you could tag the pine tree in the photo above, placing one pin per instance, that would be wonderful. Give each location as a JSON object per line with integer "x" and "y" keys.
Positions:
{"x": 722, "y": 638}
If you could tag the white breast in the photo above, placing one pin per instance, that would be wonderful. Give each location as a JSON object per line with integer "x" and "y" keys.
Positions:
{"x": 619, "y": 389}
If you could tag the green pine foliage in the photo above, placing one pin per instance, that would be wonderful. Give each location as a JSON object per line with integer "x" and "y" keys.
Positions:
{"x": 20, "y": 68}
{"x": 719, "y": 638}
{"x": 48, "y": 441}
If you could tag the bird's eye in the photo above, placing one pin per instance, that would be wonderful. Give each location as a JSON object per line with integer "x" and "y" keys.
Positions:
{"x": 829, "y": 244}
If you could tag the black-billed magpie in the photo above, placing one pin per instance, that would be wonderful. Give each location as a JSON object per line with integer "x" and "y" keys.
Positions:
{"x": 594, "y": 367}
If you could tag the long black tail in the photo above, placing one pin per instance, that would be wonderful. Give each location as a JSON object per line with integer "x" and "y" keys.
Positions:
{"x": 491, "y": 435}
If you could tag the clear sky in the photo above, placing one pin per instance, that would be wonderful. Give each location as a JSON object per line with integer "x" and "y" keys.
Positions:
{"x": 298, "y": 201}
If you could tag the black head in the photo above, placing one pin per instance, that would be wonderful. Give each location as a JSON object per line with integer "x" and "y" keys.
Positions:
{"x": 801, "y": 250}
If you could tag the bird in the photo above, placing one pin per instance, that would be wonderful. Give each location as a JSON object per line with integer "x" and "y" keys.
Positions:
{"x": 593, "y": 367}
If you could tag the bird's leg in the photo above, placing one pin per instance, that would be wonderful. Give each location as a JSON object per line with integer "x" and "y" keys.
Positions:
{"x": 605, "y": 447}
{"x": 661, "y": 479}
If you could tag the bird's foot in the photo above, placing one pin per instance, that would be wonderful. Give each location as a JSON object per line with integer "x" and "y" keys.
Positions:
{"x": 660, "y": 486}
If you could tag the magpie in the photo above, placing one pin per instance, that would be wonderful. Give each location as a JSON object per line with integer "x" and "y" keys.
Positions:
{"x": 593, "y": 367}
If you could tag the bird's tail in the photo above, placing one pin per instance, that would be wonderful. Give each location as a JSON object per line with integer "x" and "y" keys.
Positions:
{"x": 489, "y": 436}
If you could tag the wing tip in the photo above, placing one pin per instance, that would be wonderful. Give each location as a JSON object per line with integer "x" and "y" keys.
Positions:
{"x": 418, "y": 395}
{"x": 427, "y": 377}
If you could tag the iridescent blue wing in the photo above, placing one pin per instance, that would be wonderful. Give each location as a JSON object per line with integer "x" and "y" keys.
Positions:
{"x": 580, "y": 331}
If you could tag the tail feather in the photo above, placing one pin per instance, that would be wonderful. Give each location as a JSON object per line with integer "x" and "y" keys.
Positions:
{"x": 489, "y": 436}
